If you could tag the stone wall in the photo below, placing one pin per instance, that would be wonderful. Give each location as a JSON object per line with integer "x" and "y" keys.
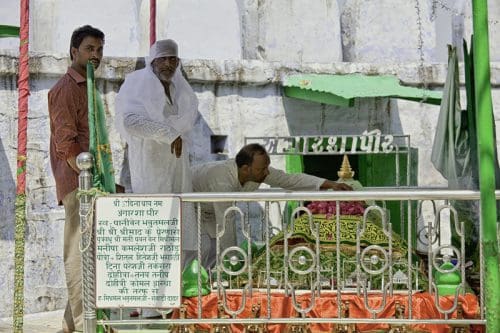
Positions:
{"x": 236, "y": 55}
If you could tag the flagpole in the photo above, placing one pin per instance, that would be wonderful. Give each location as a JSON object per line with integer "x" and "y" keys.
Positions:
{"x": 96, "y": 177}
{"x": 152, "y": 22}
{"x": 22, "y": 125}
{"x": 486, "y": 146}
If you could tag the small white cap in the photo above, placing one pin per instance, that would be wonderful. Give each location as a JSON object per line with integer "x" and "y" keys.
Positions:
{"x": 163, "y": 48}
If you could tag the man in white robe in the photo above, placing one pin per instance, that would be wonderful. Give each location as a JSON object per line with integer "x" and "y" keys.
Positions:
{"x": 156, "y": 109}
{"x": 245, "y": 173}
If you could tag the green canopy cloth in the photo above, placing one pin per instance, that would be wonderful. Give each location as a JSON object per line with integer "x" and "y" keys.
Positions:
{"x": 455, "y": 150}
{"x": 343, "y": 89}
{"x": 99, "y": 146}
{"x": 9, "y": 31}
{"x": 452, "y": 153}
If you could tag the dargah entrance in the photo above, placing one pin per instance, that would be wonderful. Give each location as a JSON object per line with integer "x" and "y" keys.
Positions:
{"x": 376, "y": 161}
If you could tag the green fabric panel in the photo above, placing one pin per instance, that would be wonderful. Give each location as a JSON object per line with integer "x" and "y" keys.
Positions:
{"x": 451, "y": 150}
{"x": 342, "y": 89}
{"x": 294, "y": 163}
{"x": 9, "y": 31}
{"x": 99, "y": 146}
{"x": 471, "y": 114}
{"x": 379, "y": 170}
{"x": 455, "y": 149}
{"x": 468, "y": 211}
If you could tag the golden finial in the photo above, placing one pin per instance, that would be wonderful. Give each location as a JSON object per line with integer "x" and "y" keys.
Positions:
{"x": 345, "y": 171}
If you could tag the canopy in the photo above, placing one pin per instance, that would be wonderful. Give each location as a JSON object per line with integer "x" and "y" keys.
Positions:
{"x": 343, "y": 89}
{"x": 9, "y": 31}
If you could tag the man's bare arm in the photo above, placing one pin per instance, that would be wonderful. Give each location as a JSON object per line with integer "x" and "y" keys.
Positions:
{"x": 328, "y": 184}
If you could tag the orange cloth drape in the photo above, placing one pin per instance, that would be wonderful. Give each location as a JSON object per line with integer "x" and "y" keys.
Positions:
{"x": 326, "y": 307}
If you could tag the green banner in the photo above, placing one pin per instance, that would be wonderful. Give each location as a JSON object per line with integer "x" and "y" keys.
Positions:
{"x": 99, "y": 147}
{"x": 9, "y": 31}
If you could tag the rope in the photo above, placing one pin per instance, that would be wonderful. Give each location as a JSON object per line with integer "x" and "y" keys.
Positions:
{"x": 93, "y": 193}
{"x": 420, "y": 46}
{"x": 19, "y": 262}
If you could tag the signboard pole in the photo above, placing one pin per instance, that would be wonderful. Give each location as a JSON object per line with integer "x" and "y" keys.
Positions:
{"x": 84, "y": 163}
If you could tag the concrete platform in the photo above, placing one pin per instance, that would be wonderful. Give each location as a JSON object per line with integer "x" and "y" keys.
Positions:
{"x": 51, "y": 322}
{"x": 43, "y": 322}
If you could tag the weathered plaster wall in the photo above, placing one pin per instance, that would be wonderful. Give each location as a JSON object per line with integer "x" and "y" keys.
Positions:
{"x": 382, "y": 31}
{"x": 290, "y": 30}
{"x": 493, "y": 25}
{"x": 210, "y": 28}
{"x": 367, "y": 25}
{"x": 251, "y": 46}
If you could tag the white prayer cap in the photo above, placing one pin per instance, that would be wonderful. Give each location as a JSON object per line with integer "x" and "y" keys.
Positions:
{"x": 163, "y": 48}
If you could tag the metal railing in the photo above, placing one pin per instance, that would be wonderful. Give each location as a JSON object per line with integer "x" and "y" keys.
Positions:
{"x": 304, "y": 261}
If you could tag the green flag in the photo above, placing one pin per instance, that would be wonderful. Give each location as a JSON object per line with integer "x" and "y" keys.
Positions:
{"x": 451, "y": 151}
{"x": 455, "y": 149}
{"x": 454, "y": 152}
{"x": 8, "y": 31}
{"x": 102, "y": 171}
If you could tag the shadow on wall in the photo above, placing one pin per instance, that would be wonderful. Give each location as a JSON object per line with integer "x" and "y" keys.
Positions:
{"x": 201, "y": 148}
{"x": 7, "y": 197}
{"x": 396, "y": 125}
{"x": 311, "y": 118}
{"x": 306, "y": 118}
{"x": 207, "y": 145}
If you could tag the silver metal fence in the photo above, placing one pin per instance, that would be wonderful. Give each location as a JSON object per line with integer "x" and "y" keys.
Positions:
{"x": 303, "y": 272}
{"x": 370, "y": 261}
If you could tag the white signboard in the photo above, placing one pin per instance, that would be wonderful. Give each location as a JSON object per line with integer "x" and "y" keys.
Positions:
{"x": 138, "y": 252}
